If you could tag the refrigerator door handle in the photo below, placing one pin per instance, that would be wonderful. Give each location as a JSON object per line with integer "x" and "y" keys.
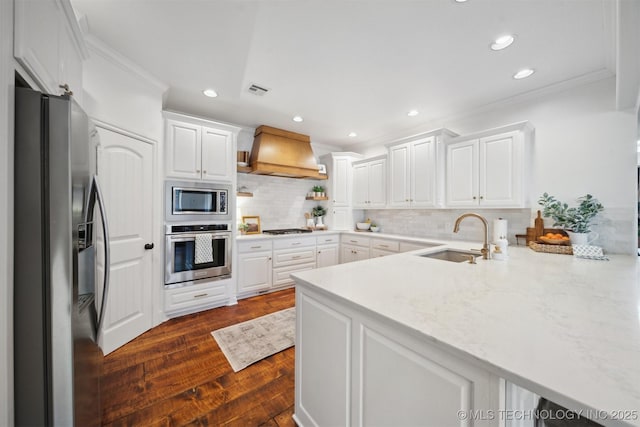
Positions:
{"x": 96, "y": 196}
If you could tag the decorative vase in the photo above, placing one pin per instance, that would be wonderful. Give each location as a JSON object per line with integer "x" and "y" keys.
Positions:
{"x": 319, "y": 221}
{"x": 582, "y": 238}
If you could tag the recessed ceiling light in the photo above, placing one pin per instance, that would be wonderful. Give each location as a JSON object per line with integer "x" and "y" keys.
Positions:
{"x": 352, "y": 134}
{"x": 460, "y": 1}
{"x": 524, "y": 73}
{"x": 297, "y": 119}
{"x": 210, "y": 93}
{"x": 502, "y": 42}
{"x": 412, "y": 113}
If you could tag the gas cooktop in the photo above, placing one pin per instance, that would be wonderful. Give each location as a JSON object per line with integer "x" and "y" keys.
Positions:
{"x": 287, "y": 231}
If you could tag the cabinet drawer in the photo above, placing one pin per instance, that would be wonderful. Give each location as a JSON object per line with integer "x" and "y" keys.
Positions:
{"x": 294, "y": 242}
{"x": 294, "y": 257}
{"x": 255, "y": 246}
{"x": 375, "y": 253}
{"x": 385, "y": 245}
{"x": 194, "y": 296}
{"x": 324, "y": 240}
{"x": 356, "y": 240}
{"x": 281, "y": 276}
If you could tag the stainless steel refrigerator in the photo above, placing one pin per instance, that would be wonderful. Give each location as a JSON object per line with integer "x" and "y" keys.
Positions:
{"x": 59, "y": 302}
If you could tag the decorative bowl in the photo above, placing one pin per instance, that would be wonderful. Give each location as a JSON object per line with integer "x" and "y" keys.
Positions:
{"x": 554, "y": 241}
{"x": 375, "y": 229}
{"x": 363, "y": 225}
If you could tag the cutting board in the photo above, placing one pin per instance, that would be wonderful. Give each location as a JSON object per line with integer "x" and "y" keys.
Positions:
{"x": 538, "y": 225}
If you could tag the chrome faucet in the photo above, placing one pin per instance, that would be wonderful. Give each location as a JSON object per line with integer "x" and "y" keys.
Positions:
{"x": 486, "y": 254}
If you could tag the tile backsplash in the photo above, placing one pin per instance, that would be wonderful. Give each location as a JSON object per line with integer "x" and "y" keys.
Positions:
{"x": 279, "y": 202}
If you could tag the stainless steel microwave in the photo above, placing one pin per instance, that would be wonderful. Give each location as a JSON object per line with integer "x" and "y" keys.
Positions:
{"x": 196, "y": 201}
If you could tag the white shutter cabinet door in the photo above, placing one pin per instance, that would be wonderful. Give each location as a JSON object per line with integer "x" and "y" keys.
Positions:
{"x": 217, "y": 153}
{"x": 361, "y": 185}
{"x": 462, "y": 174}
{"x": 399, "y": 172}
{"x": 183, "y": 150}
{"x": 327, "y": 255}
{"x": 377, "y": 184}
{"x": 423, "y": 173}
{"x": 341, "y": 175}
{"x": 500, "y": 177}
{"x": 254, "y": 272}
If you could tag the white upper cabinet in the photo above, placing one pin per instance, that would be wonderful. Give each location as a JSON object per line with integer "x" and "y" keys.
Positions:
{"x": 199, "y": 149}
{"x": 339, "y": 170}
{"x": 489, "y": 169}
{"x": 416, "y": 171}
{"x": 49, "y": 45}
{"x": 369, "y": 183}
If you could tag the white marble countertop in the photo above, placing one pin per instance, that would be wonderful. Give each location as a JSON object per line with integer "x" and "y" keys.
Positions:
{"x": 560, "y": 326}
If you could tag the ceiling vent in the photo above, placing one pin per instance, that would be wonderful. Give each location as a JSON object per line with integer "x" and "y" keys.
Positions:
{"x": 257, "y": 90}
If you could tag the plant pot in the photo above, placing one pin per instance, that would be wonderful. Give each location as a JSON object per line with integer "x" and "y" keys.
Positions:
{"x": 582, "y": 238}
{"x": 319, "y": 221}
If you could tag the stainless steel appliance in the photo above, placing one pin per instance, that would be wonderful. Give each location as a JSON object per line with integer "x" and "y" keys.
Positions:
{"x": 58, "y": 303}
{"x": 287, "y": 231}
{"x": 196, "y": 201}
{"x": 181, "y": 248}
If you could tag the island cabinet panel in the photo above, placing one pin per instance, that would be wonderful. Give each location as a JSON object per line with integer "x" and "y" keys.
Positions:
{"x": 323, "y": 364}
{"x": 392, "y": 376}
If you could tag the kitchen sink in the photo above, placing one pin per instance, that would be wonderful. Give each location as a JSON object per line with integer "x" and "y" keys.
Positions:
{"x": 453, "y": 255}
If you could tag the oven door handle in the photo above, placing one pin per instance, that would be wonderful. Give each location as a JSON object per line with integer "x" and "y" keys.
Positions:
{"x": 192, "y": 237}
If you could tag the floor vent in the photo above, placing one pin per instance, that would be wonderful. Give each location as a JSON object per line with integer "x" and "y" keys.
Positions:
{"x": 257, "y": 90}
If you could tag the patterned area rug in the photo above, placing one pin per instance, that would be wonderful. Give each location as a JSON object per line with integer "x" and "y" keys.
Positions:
{"x": 248, "y": 342}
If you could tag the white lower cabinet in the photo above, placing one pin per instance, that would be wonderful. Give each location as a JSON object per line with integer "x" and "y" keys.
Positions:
{"x": 352, "y": 369}
{"x": 186, "y": 299}
{"x": 327, "y": 250}
{"x": 254, "y": 272}
{"x": 354, "y": 248}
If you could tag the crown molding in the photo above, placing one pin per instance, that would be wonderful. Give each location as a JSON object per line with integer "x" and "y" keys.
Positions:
{"x": 99, "y": 47}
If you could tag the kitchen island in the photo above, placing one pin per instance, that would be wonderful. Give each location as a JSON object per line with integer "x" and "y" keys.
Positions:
{"x": 408, "y": 340}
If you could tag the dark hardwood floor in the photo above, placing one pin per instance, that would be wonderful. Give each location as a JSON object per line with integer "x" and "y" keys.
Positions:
{"x": 176, "y": 375}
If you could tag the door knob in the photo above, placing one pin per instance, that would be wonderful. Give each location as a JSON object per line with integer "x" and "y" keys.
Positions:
{"x": 148, "y": 246}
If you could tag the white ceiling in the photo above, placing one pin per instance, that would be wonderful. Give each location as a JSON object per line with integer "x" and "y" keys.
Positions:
{"x": 353, "y": 65}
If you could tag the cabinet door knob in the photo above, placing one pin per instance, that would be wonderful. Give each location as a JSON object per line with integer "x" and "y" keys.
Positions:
{"x": 148, "y": 246}
{"x": 204, "y": 171}
{"x": 481, "y": 197}
{"x": 474, "y": 197}
{"x": 198, "y": 171}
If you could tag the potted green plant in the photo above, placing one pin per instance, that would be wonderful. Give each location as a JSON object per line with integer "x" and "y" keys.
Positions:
{"x": 575, "y": 220}
{"x": 318, "y": 190}
{"x": 318, "y": 212}
{"x": 243, "y": 227}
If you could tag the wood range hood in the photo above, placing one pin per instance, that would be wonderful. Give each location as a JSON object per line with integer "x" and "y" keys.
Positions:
{"x": 279, "y": 152}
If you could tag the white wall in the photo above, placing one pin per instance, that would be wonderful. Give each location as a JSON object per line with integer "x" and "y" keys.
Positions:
{"x": 126, "y": 97}
{"x": 6, "y": 212}
{"x": 582, "y": 145}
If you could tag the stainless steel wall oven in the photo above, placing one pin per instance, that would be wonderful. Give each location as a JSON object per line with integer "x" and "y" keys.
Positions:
{"x": 197, "y": 252}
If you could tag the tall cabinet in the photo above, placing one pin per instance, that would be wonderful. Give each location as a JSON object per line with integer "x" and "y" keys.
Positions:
{"x": 339, "y": 169}
{"x": 48, "y": 43}
{"x": 490, "y": 169}
{"x": 416, "y": 170}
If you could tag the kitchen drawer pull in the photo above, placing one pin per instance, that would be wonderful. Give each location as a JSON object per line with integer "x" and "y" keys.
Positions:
{"x": 295, "y": 243}
{"x": 384, "y": 246}
{"x": 256, "y": 247}
{"x": 295, "y": 257}
{"x": 200, "y": 295}
{"x": 353, "y": 241}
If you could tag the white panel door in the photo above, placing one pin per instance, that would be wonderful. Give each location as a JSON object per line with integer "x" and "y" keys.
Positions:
{"x": 377, "y": 184}
{"x": 423, "y": 173}
{"x": 254, "y": 272}
{"x": 340, "y": 178}
{"x": 341, "y": 219}
{"x": 399, "y": 171}
{"x": 361, "y": 185}
{"x": 125, "y": 169}
{"x": 499, "y": 179}
{"x": 328, "y": 255}
{"x": 183, "y": 150}
{"x": 462, "y": 173}
{"x": 217, "y": 159}
{"x": 37, "y": 27}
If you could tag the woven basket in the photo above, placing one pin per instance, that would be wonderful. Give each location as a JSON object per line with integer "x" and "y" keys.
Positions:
{"x": 551, "y": 249}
